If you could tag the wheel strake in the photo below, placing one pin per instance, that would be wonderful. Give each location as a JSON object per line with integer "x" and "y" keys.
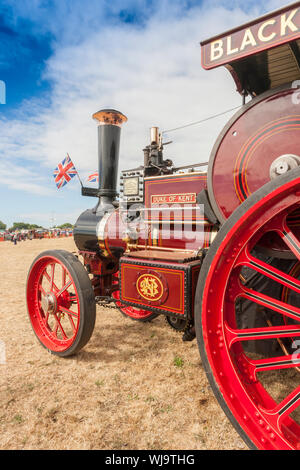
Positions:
{"x": 253, "y": 390}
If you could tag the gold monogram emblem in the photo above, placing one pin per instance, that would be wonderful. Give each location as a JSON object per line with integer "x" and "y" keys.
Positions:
{"x": 150, "y": 287}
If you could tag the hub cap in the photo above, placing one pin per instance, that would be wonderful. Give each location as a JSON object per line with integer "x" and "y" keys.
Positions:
{"x": 49, "y": 303}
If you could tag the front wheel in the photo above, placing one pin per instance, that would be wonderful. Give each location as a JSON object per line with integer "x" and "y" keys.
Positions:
{"x": 60, "y": 302}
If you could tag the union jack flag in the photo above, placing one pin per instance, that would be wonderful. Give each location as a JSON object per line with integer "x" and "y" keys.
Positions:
{"x": 64, "y": 172}
{"x": 94, "y": 178}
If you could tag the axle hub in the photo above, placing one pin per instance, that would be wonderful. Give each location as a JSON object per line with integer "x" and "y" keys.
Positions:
{"x": 49, "y": 303}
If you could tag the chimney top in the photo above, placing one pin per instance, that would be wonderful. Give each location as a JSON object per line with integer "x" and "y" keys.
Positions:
{"x": 109, "y": 116}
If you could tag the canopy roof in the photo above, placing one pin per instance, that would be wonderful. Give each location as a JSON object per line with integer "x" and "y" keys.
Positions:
{"x": 260, "y": 55}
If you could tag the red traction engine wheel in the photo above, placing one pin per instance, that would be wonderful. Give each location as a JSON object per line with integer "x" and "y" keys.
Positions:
{"x": 60, "y": 302}
{"x": 259, "y": 392}
{"x": 133, "y": 313}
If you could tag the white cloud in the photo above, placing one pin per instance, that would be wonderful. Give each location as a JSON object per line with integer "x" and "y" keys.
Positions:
{"x": 151, "y": 74}
{"x": 23, "y": 179}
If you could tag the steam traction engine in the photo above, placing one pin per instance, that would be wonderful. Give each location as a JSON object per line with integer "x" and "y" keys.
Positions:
{"x": 217, "y": 253}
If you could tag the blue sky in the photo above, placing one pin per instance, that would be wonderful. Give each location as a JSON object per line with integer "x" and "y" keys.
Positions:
{"x": 62, "y": 60}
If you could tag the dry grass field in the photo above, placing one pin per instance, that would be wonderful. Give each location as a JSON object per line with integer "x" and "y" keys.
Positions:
{"x": 133, "y": 386}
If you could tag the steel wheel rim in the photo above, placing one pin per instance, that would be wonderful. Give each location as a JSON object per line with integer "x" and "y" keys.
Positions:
{"x": 54, "y": 312}
{"x": 266, "y": 423}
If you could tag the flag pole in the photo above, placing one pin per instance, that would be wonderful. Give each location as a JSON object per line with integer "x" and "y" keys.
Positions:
{"x": 79, "y": 179}
{"x": 76, "y": 172}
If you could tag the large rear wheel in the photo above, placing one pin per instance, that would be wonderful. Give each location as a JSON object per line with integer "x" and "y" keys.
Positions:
{"x": 60, "y": 302}
{"x": 258, "y": 388}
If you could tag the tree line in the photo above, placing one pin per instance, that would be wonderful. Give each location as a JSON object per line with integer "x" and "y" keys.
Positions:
{"x": 26, "y": 226}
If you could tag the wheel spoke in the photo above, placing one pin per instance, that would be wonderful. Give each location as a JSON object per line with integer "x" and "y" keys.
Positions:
{"x": 66, "y": 286}
{"x": 42, "y": 290}
{"x": 64, "y": 276}
{"x": 46, "y": 318}
{"x": 50, "y": 279}
{"x": 69, "y": 312}
{"x": 71, "y": 321}
{"x": 55, "y": 329}
{"x": 274, "y": 363}
{"x": 247, "y": 260}
{"x": 268, "y": 302}
{"x": 46, "y": 275}
{"x": 52, "y": 276}
{"x": 290, "y": 239}
{"x": 58, "y": 326}
{"x": 285, "y": 408}
{"x": 73, "y": 298}
{"x": 255, "y": 334}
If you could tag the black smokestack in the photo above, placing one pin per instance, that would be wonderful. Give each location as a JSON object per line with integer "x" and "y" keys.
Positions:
{"x": 109, "y": 131}
{"x": 88, "y": 230}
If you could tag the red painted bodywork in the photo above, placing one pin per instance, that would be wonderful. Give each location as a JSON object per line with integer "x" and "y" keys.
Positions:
{"x": 177, "y": 184}
{"x": 176, "y": 284}
{"x": 167, "y": 225}
{"x": 170, "y": 222}
{"x": 260, "y": 133}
